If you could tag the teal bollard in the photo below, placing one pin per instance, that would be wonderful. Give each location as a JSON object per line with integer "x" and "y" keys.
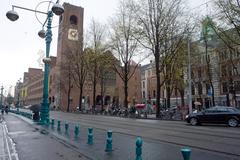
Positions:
{"x": 53, "y": 121}
{"x": 47, "y": 121}
{"x": 139, "y": 143}
{"x": 90, "y": 136}
{"x": 109, "y": 142}
{"x": 76, "y": 131}
{"x": 186, "y": 153}
{"x": 66, "y": 127}
{"x": 59, "y": 126}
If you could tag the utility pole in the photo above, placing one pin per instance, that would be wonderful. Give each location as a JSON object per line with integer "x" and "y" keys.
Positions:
{"x": 189, "y": 77}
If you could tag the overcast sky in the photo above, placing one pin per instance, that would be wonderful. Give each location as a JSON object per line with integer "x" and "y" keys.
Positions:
{"x": 20, "y": 44}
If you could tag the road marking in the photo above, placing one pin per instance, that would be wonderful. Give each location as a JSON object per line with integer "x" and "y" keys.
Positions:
{"x": 6, "y": 141}
{"x": 2, "y": 154}
{"x": 9, "y": 143}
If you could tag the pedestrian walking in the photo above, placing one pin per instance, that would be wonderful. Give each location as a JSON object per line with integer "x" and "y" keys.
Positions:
{"x": 6, "y": 109}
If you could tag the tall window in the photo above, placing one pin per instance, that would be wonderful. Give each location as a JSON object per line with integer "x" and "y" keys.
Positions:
{"x": 193, "y": 90}
{"x": 223, "y": 71}
{"x": 224, "y": 87}
{"x": 192, "y": 74}
{"x": 149, "y": 73}
{"x": 149, "y": 94}
{"x": 199, "y": 73}
{"x": 73, "y": 20}
{"x": 144, "y": 96}
{"x": 199, "y": 89}
{"x": 237, "y": 85}
{"x": 143, "y": 84}
{"x": 207, "y": 88}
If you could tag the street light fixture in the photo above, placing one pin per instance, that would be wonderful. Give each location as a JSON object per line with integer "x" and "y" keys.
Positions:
{"x": 42, "y": 33}
{"x": 12, "y": 15}
{"x": 58, "y": 10}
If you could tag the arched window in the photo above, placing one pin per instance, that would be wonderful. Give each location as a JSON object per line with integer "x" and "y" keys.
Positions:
{"x": 73, "y": 20}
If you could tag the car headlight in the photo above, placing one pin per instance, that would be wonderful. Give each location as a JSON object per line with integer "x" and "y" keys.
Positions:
{"x": 186, "y": 116}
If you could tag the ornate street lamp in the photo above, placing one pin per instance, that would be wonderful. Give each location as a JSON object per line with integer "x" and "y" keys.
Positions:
{"x": 58, "y": 10}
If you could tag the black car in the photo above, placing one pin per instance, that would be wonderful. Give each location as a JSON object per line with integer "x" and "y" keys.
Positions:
{"x": 217, "y": 115}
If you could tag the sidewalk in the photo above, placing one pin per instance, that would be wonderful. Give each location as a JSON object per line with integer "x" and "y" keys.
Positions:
{"x": 26, "y": 141}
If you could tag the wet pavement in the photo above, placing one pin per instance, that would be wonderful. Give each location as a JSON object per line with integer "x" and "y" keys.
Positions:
{"x": 24, "y": 140}
{"x": 162, "y": 139}
{"x": 37, "y": 142}
{"x": 124, "y": 146}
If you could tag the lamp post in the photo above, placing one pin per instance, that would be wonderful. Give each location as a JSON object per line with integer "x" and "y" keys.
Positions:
{"x": 58, "y": 10}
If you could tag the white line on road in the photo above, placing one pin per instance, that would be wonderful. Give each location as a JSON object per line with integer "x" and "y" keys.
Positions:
{"x": 5, "y": 137}
{"x": 3, "y": 151}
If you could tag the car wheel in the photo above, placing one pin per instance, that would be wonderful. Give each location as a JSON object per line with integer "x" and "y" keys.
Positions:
{"x": 232, "y": 122}
{"x": 193, "y": 121}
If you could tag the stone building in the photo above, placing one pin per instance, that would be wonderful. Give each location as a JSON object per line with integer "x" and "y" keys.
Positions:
{"x": 63, "y": 92}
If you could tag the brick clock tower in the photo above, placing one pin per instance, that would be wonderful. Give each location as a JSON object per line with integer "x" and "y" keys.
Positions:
{"x": 70, "y": 36}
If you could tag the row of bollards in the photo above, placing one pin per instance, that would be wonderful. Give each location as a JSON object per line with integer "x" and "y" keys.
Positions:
{"x": 185, "y": 151}
{"x": 139, "y": 142}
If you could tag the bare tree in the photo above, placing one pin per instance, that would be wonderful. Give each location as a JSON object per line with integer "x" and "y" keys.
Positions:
{"x": 155, "y": 19}
{"x": 106, "y": 61}
{"x": 96, "y": 46}
{"x": 124, "y": 44}
{"x": 207, "y": 36}
{"x": 79, "y": 68}
{"x": 228, "y": 31}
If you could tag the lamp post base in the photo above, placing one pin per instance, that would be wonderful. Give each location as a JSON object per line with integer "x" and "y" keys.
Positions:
{"x": 44, "y": 114}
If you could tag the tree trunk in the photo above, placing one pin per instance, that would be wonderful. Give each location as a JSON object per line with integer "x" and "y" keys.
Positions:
{"x": 102, "y": 85}
{"x": 228, "y": 101}
{"x": 94, "y": 86}
{"x": 168, "y": 96}
{"x": 126, "y": 85}
{"x": 157, "y": 55}
{"x": 209, "y": 72}
{"x": 182, "y": 97}
{"x": 80, "y": 97}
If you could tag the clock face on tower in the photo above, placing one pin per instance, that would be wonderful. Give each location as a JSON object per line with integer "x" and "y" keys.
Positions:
{"x": 73, "y": 34}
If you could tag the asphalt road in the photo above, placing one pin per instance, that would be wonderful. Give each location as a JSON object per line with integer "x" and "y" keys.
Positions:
{"x": 162, "y": 139}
